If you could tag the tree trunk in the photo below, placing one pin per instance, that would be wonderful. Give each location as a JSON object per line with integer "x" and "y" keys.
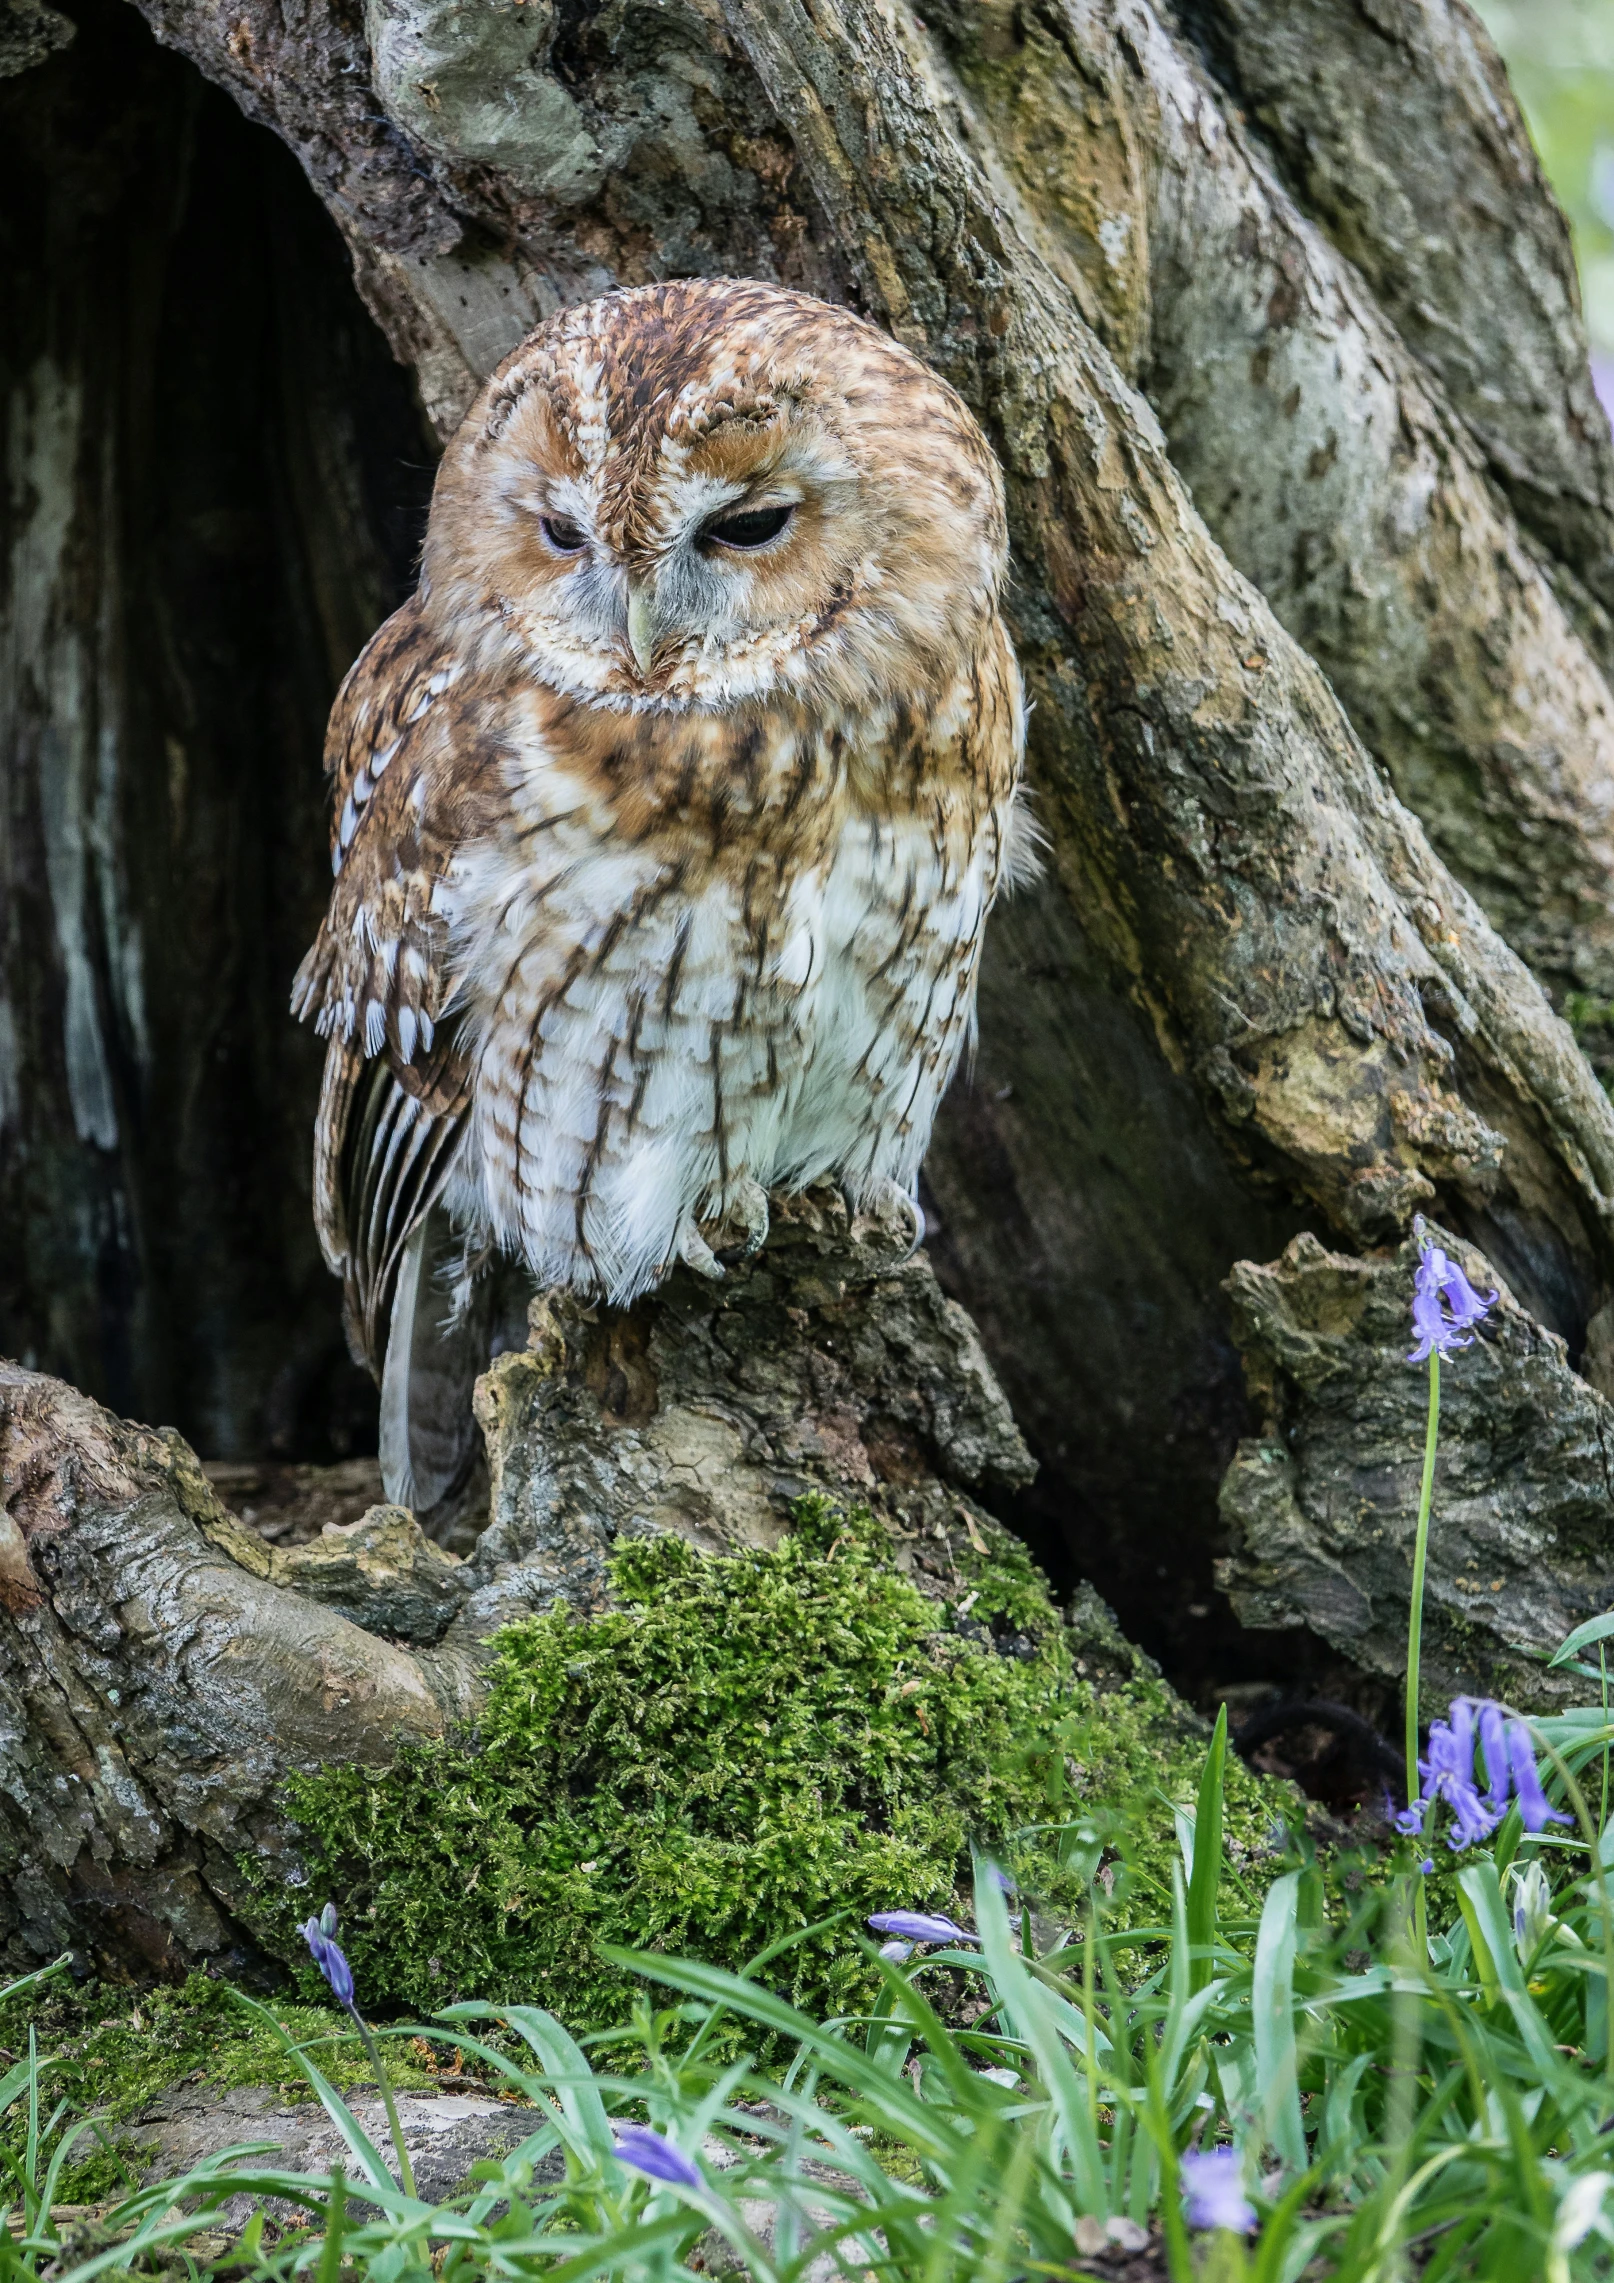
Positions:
{"x": 163, "y": 1669}
{"x": 1272, "y": 321}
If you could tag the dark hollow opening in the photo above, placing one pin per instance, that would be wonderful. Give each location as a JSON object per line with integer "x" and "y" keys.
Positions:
{"x": 218, "y": 483}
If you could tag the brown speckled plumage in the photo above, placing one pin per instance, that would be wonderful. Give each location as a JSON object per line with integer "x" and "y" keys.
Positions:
{"x": 662, "y": 861}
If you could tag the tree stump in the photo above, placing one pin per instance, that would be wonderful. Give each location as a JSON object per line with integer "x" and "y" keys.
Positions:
{"x": 163, "y": 1669}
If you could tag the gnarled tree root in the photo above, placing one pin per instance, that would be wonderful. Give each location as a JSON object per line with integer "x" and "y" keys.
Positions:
{"x": 163, "y": 1669}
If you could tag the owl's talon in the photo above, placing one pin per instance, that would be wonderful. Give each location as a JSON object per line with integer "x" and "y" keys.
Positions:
{"x": 899, "y": 1217}
{"x": 741, "y": 1231}
{"x": 696, "y": 1253}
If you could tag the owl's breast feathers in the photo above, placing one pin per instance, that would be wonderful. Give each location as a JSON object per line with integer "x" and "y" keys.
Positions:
{"x": 560, "y": 933}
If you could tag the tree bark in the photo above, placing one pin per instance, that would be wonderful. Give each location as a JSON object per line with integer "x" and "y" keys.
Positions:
{"x": 163, "y": 1669}
{"x": 1397, "y": 127}
{"x": 1262, "y": 990}
{"x": 1321, "y": 1504}
{"x": 1336, "y": 477}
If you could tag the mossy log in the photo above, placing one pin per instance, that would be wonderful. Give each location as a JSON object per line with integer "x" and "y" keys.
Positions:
{"x": 163, "y": 1670}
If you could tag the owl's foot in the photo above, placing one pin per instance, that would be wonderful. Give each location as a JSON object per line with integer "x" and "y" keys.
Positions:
{"x": 736, "y": 1234}
{"x": 896, "y": 1218}
{"x": 696, "y": 1253}
{"x": 742, "y": 1230}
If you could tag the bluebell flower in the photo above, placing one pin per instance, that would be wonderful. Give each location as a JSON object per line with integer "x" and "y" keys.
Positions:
{"x": 1213, "y": 2190}
{"x": 896, "y": 1951}
{"x": 320, "y": 1935}
{"x": 915, "y": 1926}
{"x": 1532, "y": 1910}
{"x": 1533, "y": 1808}
{"x": 1448, "y": 1774}
{"x": 1446, "y": 1309}
{"x": 1494, "y": 1751}
{"x": 655, "y": 2155}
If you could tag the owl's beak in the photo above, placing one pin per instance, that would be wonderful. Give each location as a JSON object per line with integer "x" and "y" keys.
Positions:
{"x": 641, "y": 628}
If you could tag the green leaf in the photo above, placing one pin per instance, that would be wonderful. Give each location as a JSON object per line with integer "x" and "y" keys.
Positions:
{"x": 1594, "y": 1629}
{"x": 1272, "y": 2011}
{"x": 1207, "y": 1872}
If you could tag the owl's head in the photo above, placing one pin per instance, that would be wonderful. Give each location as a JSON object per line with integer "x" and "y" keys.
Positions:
{"x": 698, "y": 493}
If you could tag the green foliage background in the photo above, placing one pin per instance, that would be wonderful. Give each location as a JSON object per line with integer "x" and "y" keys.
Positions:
{"x": 1560, "y": 58}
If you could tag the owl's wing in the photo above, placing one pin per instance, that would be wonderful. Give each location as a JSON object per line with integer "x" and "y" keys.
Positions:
{"x": 995, "y": 737}
{"x": 413, "y": 780}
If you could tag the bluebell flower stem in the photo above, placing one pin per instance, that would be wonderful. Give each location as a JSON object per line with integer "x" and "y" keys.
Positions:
{"x": 1420, "y": 1564}
{"x": 406, "y": 2171}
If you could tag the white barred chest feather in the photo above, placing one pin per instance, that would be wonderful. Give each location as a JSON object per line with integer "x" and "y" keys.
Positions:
{"x": 653, "y": 1028}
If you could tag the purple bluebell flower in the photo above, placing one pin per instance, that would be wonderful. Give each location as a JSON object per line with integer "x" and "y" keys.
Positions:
{"x": 1446, "y": 1309}
{"x": 1213, "y": 2190}
{"x": 1448, "y": 1774}
{"x": 656, "y": 2156}
{"x": 915, "y": 1926}
{"x": 320, "y": 1935}
{"x": 1494, "y": 1751}
{"x": 896, "y": 1951}
{"x": 1533, "y": 1807}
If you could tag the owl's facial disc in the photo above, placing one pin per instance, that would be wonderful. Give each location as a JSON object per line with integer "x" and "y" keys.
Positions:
{"x": 705, "y": 494}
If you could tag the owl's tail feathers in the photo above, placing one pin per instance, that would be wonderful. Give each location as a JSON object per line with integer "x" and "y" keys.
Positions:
{"x": 440, "y": 1338}
{"x": 382, "y": 1157}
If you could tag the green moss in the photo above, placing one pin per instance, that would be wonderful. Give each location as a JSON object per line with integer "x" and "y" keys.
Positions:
{"x": 1592, "y": 1021}
{"x": 745, "y": 1746}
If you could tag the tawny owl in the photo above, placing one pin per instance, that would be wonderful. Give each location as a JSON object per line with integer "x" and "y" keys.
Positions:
{"x": 668, "y": 815}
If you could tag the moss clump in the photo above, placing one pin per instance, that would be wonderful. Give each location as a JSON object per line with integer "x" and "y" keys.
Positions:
{"x": 747, "y": 1745}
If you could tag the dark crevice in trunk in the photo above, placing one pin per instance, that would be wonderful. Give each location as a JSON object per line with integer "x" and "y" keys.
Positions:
{"x": 219, "y": 482}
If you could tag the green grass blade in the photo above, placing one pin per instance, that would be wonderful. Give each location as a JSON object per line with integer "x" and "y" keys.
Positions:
{"x": 1272, "y": 2009}
{"x": 1594, "y": 1629}
{"x": 359, "y": 2143}
{"x": 1206, "y": 1881}
{"x": 1028, "y": 2015}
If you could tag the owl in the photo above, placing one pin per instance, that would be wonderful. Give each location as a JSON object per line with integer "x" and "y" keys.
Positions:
{"x": 668, "y": 814}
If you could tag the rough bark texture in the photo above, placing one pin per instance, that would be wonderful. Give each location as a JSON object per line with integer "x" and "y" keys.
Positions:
{"x": 1396, "y": 124}
{"x": 1254, "y": 993}
{"x": 1322, "y": 1503}
{"x": 162, "y": 1668}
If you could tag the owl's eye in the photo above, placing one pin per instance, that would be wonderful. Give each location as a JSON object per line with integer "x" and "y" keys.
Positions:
{"x": 752, "y": 527}
{"x": 566, "y": 537}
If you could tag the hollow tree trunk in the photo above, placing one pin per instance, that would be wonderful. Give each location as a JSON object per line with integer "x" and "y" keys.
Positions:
{"x": 209, "y": 505}
{"x": 1312, "y": 591}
